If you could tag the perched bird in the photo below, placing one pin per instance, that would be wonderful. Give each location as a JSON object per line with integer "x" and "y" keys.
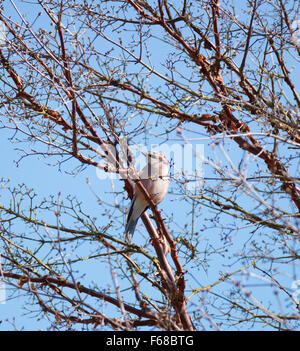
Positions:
{"x": 155, "y": 177}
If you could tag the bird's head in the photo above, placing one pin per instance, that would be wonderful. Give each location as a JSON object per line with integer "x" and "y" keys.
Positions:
{"x": 153, "y": 156}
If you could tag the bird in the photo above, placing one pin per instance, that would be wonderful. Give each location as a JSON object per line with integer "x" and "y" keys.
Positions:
{"x": 155, "y": 177}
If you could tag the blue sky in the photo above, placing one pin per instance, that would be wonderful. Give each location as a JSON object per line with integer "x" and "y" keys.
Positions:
{"x": 43, "y": 176}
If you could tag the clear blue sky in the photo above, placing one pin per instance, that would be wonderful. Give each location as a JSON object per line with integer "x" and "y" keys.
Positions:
{"x": 46, "y": 181}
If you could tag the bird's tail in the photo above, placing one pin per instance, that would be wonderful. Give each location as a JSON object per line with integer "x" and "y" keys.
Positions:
{"x": 129, "y": 229}
{"x": 135, "y": 211}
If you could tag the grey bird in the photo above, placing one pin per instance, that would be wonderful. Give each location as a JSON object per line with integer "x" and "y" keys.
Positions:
{"x": 155, "y": 177}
